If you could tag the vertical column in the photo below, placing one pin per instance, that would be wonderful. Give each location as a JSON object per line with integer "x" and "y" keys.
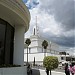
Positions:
{"x": 19, "y": 45}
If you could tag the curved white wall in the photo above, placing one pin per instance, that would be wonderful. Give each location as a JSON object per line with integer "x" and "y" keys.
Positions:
{"x": 16, "y": 14}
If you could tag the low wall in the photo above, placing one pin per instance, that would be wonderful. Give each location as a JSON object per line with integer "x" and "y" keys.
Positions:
{"x": 35, "y": 72}
{"x": 13, "y": 71}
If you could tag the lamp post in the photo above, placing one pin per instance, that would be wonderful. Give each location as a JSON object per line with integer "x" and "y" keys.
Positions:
{"x": 50, "y": 46}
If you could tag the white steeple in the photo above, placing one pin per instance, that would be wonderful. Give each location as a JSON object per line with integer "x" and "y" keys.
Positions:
{"x": 36, "y": 29}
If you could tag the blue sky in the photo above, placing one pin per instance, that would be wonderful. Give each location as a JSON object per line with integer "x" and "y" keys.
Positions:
{"x": 55, "y": 19}
{"x": 25, "y": 1}
{"x": 31, "y": 3}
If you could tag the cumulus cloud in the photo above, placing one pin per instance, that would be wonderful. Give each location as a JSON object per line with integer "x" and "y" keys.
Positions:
{"x": 55, "y": 19}
{"x": 63, "y": 11}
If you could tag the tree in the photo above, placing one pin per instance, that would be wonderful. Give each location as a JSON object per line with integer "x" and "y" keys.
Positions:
{"x": 50, "y": 62}
{"x": 28, "y": 42}
{"x": 44, "y": 45}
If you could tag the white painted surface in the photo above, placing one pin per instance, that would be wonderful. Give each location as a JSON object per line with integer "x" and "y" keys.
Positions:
{"x": 19, "y": 18}
{"x": 37, "y": 51}
{"x": 16, "y": 13}
{"x": 13, "y": 71}
{"x": 19, "y": 45}
{"x": 38, "y": 57}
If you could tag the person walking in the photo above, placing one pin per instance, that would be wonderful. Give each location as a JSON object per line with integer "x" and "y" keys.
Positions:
{"x": 74, "y": 69}
{"x": 47, "y": 71}
{"x": 71, "y": 69}
{"x": 67, "y": 72}
{"x": 29, "y": 70}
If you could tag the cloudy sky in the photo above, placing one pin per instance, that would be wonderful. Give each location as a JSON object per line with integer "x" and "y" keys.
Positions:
{"x": 55, "y": 19}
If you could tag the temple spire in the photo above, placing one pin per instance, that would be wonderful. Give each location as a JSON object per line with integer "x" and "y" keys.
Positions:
{"x": 36, "y": 25}
{"x": 36, "y": 29}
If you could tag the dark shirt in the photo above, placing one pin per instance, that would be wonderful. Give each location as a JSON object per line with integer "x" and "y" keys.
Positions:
{"x": 67, "y": 72}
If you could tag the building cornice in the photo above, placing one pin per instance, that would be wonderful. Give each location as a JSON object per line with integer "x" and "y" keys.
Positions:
{"x": 18, "y": 8}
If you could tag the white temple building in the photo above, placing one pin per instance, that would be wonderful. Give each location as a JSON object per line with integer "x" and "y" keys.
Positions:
{"x": 35, "y": 49}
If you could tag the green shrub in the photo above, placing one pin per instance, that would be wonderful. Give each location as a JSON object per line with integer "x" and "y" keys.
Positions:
{"x": 8, "y": 65}
{"x": 50, "y": 62}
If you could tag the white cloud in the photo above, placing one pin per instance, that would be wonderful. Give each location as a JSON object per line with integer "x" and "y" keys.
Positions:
{"x": 45, "y": 21}
{"x": 69, "y": 33}
{"x": 48, "y": 24}
{"x": 71, "y": 51}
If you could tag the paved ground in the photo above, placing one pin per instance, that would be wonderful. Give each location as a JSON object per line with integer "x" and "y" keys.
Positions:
{"x": 42, "y": 72}
{"x": 35, "y": 72}
{"x": 58, "y": 69}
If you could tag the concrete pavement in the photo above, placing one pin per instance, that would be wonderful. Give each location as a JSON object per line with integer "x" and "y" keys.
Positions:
{"x": 42, "y": 72}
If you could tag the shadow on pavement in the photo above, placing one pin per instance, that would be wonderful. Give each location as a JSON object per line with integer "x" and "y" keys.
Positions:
{"x": 35, "y": 72}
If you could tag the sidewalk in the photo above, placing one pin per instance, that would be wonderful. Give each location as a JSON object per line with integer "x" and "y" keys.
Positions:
{"x": 42, "y": 72}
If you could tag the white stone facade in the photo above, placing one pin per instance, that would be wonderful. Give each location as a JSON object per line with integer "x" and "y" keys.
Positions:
{"x": 36, "y": 50}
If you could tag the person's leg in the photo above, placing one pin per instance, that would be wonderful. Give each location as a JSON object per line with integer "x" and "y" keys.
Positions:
{"x": 72, "y": 73}
{"x": 47, "y": 72}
